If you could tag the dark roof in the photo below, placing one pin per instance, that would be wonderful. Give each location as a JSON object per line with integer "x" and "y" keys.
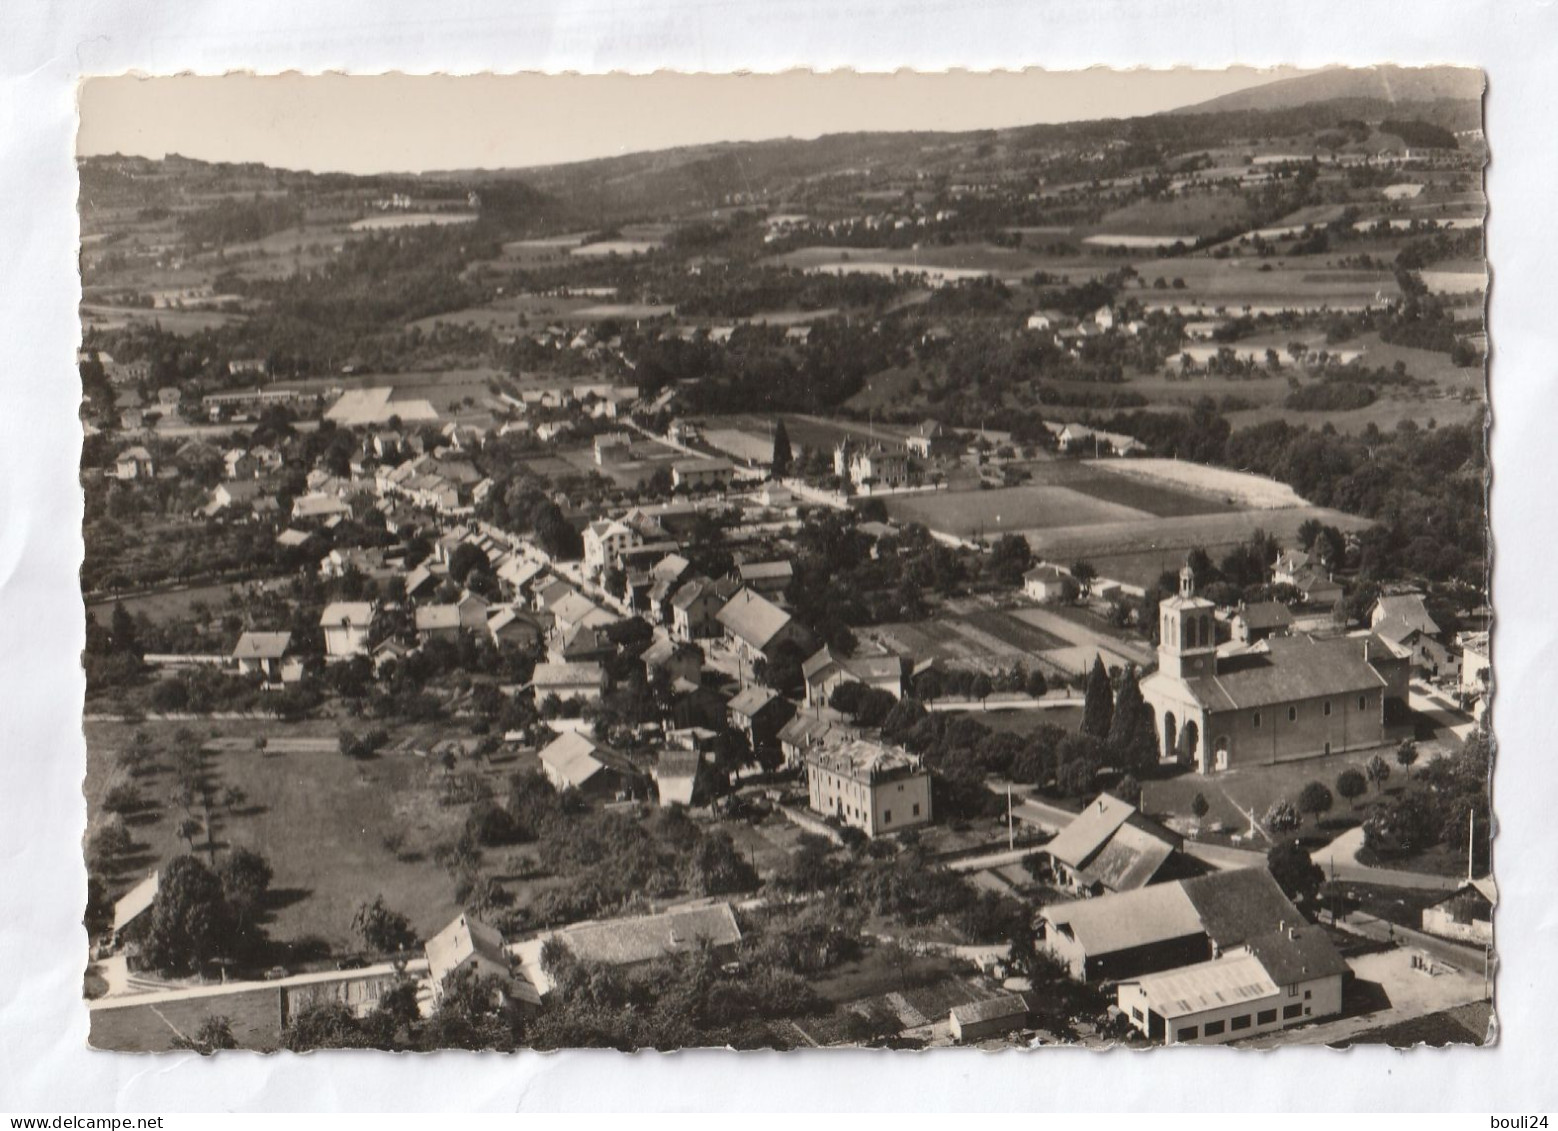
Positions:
{"x": 1111, "y": 843}
{"x": 1266, "y": 614}
{"x": 1298, "y": 954}
{"x": 752, "y": 700}
{"x": 1289, "y": 669}
{"x": 1240, "y": 905}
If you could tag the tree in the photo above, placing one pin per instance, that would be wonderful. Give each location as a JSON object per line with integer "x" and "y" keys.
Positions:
{"x": 1128, "y": 789}
{"x": 1406, "y": 755}
{"x": 1133, "y": 739}
{"x": 1283, "y": 817}
{"x": 783, "y": 456}
{"x": 189, "y": 923}
{"x": 245, "y": 876}
{"x": 1037, "y": 685}
{"x": 215, "y": 1032}
{"x": 1085, "y": 574}
{"x": 383, "y": 931}
{"x": 1296, "y": 874}
{"x": 1379, "y": 772}
{"x": 1098, "y": 705}
{"x": 1351, "y": 785}
{"x": 716, "y": 867}
{"x": 981, "y": 687}
{"x": 188, "y": 829}
{"x": 1315, "y": 799}
{"x": 1200, "y": 806}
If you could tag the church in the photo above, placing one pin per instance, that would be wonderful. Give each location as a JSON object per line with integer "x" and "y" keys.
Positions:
{"x": 1281, "y": 699}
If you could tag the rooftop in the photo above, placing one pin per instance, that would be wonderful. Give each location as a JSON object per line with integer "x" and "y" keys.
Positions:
{"x": 753, "y": 618}
{"x": 262, "y": 645}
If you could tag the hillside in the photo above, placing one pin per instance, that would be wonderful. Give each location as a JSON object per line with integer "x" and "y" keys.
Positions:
{"x": 1390, "y": 84}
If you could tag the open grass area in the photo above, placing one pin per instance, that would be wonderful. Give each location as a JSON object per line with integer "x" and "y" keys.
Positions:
{"x": 1181, "y": 216}
{"x": 1008, "y": 510}
{"x": 982, "y": 640}
{"x": 321, "y": 820}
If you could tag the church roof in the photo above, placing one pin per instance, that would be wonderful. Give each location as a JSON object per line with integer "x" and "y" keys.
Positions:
{"x": 1291, "y": 669}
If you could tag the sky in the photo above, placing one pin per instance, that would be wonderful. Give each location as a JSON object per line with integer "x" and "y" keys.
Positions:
{"x": 411, "y": 123}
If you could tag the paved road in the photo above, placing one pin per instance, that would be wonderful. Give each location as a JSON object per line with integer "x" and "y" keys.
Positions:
{"x": 1341, "y": 857}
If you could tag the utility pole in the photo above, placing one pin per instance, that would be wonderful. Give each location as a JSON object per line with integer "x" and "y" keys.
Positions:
{"x": 1011, "y": 835}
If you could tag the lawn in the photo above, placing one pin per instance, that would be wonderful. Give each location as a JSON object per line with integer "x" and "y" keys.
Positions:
{"x": 1008, "y": 510}
{"x": 1254, "y": 788}
{"x": 318, "y": 817}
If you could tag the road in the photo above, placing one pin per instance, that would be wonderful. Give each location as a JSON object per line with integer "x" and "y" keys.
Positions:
{"x": 1429, "y": 703}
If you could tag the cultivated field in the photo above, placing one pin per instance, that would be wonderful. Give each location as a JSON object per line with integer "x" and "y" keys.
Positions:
{"x": 983, "y": 640}
{"x": 991, "y": 513}
{"x": 1235, "y": 487}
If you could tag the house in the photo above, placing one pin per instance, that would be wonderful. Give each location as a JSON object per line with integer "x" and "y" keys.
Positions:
{"x": 925, "y": 438}
{"x": 134, "y": 463}
{"x": 612, "y": 447}
{"x": 576, "y": 761}
{"x": 606, "y": 541}
{"x": 823, "y": 671}
{"x": 1255, "y": 622}
{"x": 993, "y": 1017}
{"x": 347, "y": 626}
{"x": 868, "y": 785}
{"x": 517, "y": 574}
{"x": 695, "y": 608}
{"x": 873, "y": 466}
{"x": 679, "y": 659}
{"x": 1288, "y": 976}
{"x": 1289, "y": 567}
{"x": 807, "y": 732}
{"x": 318, "y": 507}
{"x": 133, "y": 904}
{"x": 1076, "y": 438}
{"x": 1476, "y": 663}
{"x": 447, "y": 622}
{"x": 1404, "y": 620}
{"x": 755, "y": 627}
{"x": 469, "y": 944}
{"x": 1285, "y": 698}
{"x": 1103, "y": 318}
{"x": 574, "y": 611}
{"x": 758, "y": 713}
{"x": 678, "y": 776}
{"x": 1167, "y": 925}
{"x": 568, "y": 681}
{"x": 766, "y": 577}
{"x": 236, "y": 495}
{"x": 1110, "y": 847}
{"x": 1046, "y": 583}
{"x": 635, "y": 941}
{"x": 239, "y": 464}
{"x": 702, "y": 474}
{"x": 583, "y": 643}
{"x": 261, "y": 653}
{"x": 515, "y": 628}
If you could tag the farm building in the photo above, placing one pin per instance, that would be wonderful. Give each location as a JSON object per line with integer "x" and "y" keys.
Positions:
{"x": 634, "y": 941}
{"x": 1166, "y": 926}
{"x": 468, "y": 943}
{"x": 1282, "y": 699}
{"x": 1110, "y": 847}
{"x": 869, "y": 785}
{"x": 1255, "y": 622}
{"x": 1465, "y": 914}
{"x": 767, "y": 577}
{"x": 1288, "y": 976}
{"x": 993, "y": 1017}
{"x": 568, "y": 680}
{"x": 576, "y": 761}
{"x": 702, "y": 474}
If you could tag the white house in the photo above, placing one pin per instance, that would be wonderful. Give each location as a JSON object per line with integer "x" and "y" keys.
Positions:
{"x": 347, "y": 626}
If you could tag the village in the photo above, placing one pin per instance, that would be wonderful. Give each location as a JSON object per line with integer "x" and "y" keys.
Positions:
{"x": 721, "y": 637}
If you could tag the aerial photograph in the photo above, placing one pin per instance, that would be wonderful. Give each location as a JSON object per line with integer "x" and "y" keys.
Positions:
{"x": 787, "y": 586}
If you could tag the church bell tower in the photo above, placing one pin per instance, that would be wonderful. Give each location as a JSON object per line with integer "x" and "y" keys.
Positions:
{"x": 1187, "y": 632}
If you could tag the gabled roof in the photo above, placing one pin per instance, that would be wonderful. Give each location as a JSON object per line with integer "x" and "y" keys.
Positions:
{"x": 1266, "y": 615}
{"x": 767, "y": 571}
{"x": 752, "y": 700}
{"x": 462, "y": 939}
{"x": 575, "y": 757}
{"x": 576, "y": 608}
{"x": 1111, "y": 843}
{"x": 1289, "y": 669}
{"x": 1207, "y": 985}
{"x": 818, "y": 662}
{"x": 990, "y": 1009}
{"x": 431, "y": 618}
{"x": 341, "y": 613}
{"x": 753, "y": 618}
{"x": 262, "y": 645}
{"x": 507, "y": 616}
{"x": 566, "y": 675}
{"x": 623, "y": 942}
{"x": 1046, "y": 573}
{"x": 1111, "y": 923}
{"x": 1240, "y": 905}
{"x": 1296, "y": 953}
{"x": 1406, "y": 608}
{"x": 135, "y": 902}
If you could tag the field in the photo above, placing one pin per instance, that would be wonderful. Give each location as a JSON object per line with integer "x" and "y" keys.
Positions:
{"x": 1236, "y": 283}
{"x": 984, "y": 640}
{"x": 318, "y": 817}
{"x": 94, "y": 315}
{"x": 746, "y": 432}
{"x": 955, "y": 262}
{"x": 174, "y": 604}
{"x": 1009, "y": 510}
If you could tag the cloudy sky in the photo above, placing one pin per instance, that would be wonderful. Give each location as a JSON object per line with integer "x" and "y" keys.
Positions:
{"x": 405, "y": 123}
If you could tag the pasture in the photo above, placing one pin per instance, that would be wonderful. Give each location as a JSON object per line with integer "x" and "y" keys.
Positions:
{"x": 990, "y": 513}
{"x": 1235, "y": 283}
